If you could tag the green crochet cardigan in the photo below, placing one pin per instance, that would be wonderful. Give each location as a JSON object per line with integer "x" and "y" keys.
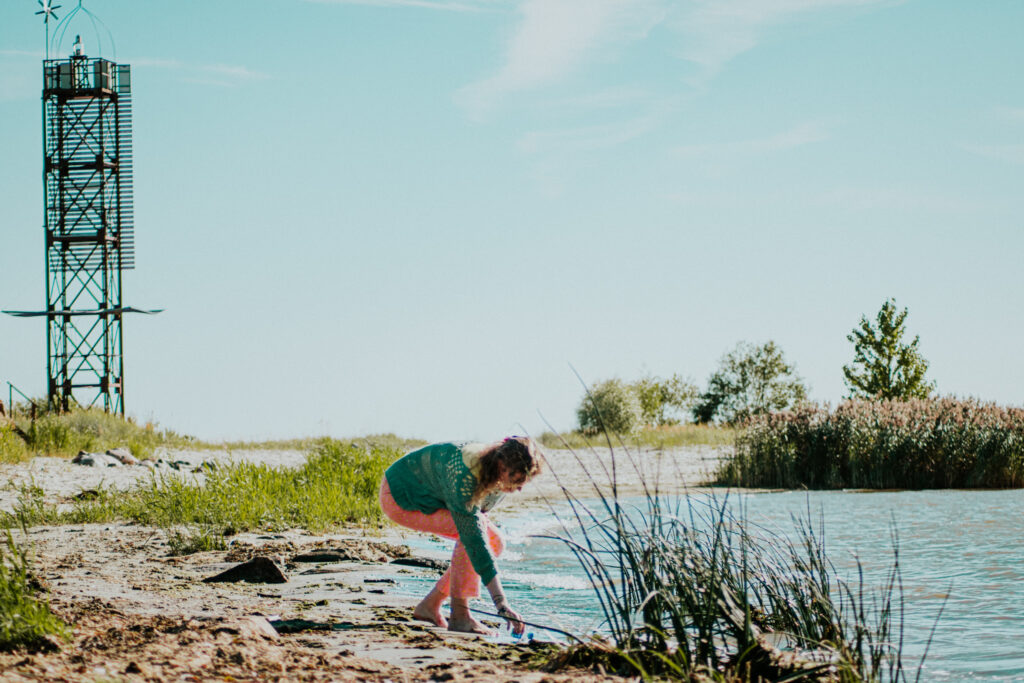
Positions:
{"x": 443, "y": 476}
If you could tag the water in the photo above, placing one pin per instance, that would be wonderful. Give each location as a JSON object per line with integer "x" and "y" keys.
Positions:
{"x": 964, "y": 544}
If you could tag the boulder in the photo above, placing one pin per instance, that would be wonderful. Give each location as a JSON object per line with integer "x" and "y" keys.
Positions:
{"x": 96, "y": 460}
{"x": 124, "y": 455}
{"x": 259, "y": 569}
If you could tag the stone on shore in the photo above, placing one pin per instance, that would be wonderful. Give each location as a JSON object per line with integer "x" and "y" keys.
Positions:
{"x": 257, "y": 570}
{"x": 96, "y": 460}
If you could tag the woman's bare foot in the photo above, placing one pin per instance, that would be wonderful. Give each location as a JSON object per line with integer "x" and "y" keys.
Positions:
{"x": 429, "y": 609}
{"x": 432, "y": 614}
{"x": 466, "y": 624}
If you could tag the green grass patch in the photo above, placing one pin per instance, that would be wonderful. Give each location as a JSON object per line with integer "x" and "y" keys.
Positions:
{"x": 672, "y": 436}
{"x": 25, "y": 617}
{"x": 372, "y": 441}
{"x": 338, "y": 484}
{"x": 81, "y": 429}
{"x": 918, "y": 444}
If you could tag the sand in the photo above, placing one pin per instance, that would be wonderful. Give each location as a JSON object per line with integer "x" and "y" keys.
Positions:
{"x": 140, "y": 614}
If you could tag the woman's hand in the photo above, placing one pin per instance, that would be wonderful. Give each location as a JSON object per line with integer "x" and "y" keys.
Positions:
{"x": 515, "y": 622}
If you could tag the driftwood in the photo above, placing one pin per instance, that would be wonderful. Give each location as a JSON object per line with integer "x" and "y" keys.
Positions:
{"x": 763, "y": 661}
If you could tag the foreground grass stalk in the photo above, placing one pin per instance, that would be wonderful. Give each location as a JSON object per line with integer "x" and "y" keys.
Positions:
{"x": 688, "y": 588}
{"x": 25, "y": 618}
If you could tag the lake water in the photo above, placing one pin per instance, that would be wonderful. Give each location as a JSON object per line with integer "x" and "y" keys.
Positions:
{"x": 966, "y": 544}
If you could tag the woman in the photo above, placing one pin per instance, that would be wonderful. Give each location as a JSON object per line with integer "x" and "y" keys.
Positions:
{"x": 447, "y": 489}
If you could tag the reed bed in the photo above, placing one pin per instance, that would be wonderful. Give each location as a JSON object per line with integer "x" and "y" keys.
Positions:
{"x": 917, "y": 444}
{"x": 690, "y": 590}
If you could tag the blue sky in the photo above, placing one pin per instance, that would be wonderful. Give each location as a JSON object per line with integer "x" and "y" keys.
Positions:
{"x": 413, "y": 215}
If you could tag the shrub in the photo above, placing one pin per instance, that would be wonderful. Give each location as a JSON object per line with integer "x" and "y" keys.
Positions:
{"x": 664, "y": 402}
{"x": 922, "y": 443}
{"x": 610, "y": 406}
{"x": 750, "y": 380}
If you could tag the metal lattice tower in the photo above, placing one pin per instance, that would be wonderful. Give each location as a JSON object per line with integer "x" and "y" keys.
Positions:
{"x": 87, "y": 200}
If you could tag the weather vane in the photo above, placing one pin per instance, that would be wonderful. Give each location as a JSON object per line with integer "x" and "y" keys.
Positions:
{"x": 48, "y": 10}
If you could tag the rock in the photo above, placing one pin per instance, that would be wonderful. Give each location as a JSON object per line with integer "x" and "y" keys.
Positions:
{"x": 249, "y": 627}
{"x": 439, "y": 565}
{"x": 324, "y": 556}
{"x": 257, "y": 570}
{"x": 95, "y": 460}
{"x": 136, "y": 668}
{"x": 352, "y": 552}
{"x": 124, "y": 455}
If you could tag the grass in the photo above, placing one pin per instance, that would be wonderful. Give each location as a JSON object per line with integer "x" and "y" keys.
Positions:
{"x": 338, "y": 484}
{"x": 81, "y": 429}
{"x": 927, "y": 443}
{"x": 650, "y": 437}
{"x": 688, "y": 589}
{"x": 25, "y": 617}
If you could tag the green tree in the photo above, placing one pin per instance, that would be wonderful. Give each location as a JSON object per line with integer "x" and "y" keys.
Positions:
{"x": 883, "y": 366}
{"x": 749, "y": 380}
{"x": 610, "y": 406}
{"x": 664, "y": 401}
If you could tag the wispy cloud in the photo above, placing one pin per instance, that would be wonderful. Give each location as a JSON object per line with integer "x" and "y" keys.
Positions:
{"x": 1013, "y": 154}
{"x": 844, "y": 198}
{"x": 443, "y": 5}
{"x": 713, "y": 32}
{"x": 221, "y": 75}
{"x": 1010, "y": 113}
{"x": 554, "y": 38}
{"x": 585, "y": 138}
{"x": 728, "y": 152}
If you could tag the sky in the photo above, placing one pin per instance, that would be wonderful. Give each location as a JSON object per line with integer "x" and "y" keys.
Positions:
{"x": 420, "y": 216}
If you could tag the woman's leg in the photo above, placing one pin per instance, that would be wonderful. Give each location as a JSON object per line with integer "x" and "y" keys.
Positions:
{"x": 429, "y": 609}
{"x": 464, "y": 584}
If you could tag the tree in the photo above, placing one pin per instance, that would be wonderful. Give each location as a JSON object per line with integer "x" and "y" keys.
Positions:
{"x": 664, "y": 401}
{"x": 750, "y": 380}
{"x": 610, "y": 406}
{"x": 883, "y": 366}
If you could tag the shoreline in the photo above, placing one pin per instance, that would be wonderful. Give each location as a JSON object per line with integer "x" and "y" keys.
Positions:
{"x": 140, "y": 614}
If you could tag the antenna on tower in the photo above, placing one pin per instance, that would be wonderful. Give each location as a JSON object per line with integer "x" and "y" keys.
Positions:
{"x": 48, "y": 10}
{"x": 65, "y": 23}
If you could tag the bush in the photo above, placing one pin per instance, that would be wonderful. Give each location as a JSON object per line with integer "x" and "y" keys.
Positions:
{"x": 610, "y": 406}
{"x": 923, "y": 443}
{"x": 750, "y": 380}
{"x": 664, "y": 402}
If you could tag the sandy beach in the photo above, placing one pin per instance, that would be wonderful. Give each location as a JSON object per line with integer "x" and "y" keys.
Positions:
{"x": 140, "y": 614}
